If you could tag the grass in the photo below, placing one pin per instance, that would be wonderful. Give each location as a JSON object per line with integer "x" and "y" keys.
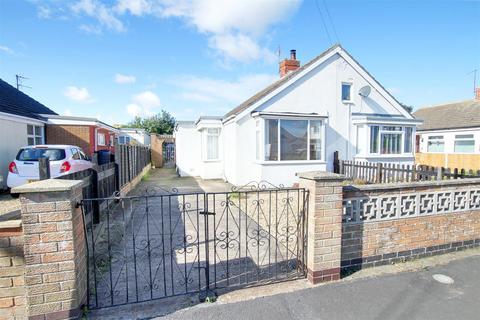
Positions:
{"x": 146, "y": 176}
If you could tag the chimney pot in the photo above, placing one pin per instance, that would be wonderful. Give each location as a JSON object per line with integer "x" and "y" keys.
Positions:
{"x": 289, "y": 65}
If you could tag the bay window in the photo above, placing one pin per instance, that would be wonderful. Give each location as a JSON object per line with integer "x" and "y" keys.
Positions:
{"x": 293, "y": 140}
{"x": 390, "y": 139}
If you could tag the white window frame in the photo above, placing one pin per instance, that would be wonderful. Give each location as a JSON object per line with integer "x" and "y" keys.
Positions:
{"x": 382, "y": 130}
{"x": 279, "y": 160}
{"x": 351, "y": 91}
{"x": 207, "y": 134}
{"x": 442, "y": 139}
{"x": 455, "y": 139}
{"x": 34, "y": 135}
{"x": 99, "y": 141}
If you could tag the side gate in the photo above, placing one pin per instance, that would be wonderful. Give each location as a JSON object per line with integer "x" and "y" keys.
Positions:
{"x": 164, "y": 243}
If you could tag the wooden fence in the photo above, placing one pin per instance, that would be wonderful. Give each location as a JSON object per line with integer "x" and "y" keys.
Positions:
{"x": 391, "y": 172}
{"x": 130, "y": 161}
{"x": 98, "y": 182}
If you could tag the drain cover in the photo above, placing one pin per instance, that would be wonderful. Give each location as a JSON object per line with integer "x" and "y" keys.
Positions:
{"x": 443, "y": 278}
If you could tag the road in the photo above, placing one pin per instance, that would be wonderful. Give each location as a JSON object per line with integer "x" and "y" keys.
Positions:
{"x": 407, "y": 295}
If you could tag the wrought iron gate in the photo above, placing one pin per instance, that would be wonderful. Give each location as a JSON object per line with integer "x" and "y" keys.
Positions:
{"x": 168, "y": 153}
{"x": 163, "y": 244}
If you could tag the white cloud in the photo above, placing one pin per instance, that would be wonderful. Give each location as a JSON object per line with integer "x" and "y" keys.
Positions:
{"x": 100, "y": 12}
{"x": 67, "y": 112}
{"x": 44, "y": 12}
{"x": 124, "y": 79}
{"x": 233, "y": 26}
{"x": 77, "y": 94}
{"x": 145, "y": 103}
{"x": 225, "y": 93}
{"x": 134, "y": 7}
{"x": 7, "y": 50}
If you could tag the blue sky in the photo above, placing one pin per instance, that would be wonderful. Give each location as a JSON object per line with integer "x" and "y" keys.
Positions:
{"x": 118, "y": 58}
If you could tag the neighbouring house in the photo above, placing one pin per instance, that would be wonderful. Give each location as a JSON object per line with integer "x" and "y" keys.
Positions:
{"x": 297, "y": 123}
{"x": 450, "y": 135}
{"x": 22, "y": 122}
{"x": 133, "y": 136}
{"x": 90, "y": 134}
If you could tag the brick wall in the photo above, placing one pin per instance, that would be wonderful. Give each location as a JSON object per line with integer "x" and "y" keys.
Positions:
{"x": 73, "y": 135}
{"x": 54, "y": 246}
{"x": 12, "y": 290}
{"x": 437, "y": 227}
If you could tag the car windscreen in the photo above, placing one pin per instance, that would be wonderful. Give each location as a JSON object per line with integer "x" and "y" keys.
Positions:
{"x": 33, "y": 154}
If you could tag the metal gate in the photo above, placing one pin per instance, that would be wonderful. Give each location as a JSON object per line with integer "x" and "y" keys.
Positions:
{"x": 163, "y": 244}
{"x": 168, "y": 153}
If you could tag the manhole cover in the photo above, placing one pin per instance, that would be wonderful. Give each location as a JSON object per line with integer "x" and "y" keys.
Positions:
{"x": 443, "y": 278}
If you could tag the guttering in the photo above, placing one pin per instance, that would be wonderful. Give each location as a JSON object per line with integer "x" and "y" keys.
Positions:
{"x": 287, "y": 114}
{"x": 384, "y": 120}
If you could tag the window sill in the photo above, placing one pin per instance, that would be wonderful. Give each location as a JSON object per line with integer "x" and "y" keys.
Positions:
{"x": 290, "y": 162}
{"x": 214, "y": 160}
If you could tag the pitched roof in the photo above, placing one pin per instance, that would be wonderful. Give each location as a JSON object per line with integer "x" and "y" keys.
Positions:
{"x": 259, "y": 95}
{"x": 247, "y": 103}
{"x": 16, "y": 102}
{"x": 464, "y": 114}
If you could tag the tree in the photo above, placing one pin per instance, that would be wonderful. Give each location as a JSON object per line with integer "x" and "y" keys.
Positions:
{"x": 161, "y": 123}
{"x": 407, "y": 107}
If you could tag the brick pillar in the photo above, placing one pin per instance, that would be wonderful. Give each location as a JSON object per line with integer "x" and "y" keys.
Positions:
{"x": 324, "y": 234}
{"x": 54, "y": 248}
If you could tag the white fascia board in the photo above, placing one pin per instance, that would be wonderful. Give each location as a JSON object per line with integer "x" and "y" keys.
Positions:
{"x": 448, "y": 130}
{"x": 386, "y": 120}
{"x": 287, "y": 115}
{"x": 374, "y": 84}
{"x": 287, "y": 84}
{"x": 69, "y": 122}
{"x": 13, "y": 117}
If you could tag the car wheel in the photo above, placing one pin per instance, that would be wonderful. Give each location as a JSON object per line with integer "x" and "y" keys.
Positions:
{"x": 15, "y": 195}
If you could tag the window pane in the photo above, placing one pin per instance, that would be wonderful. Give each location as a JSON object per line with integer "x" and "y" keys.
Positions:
{"x": 271, "y": 139}
{"x": 121, "y": 140}
{"x": 29, "y": 129}
{"x": 374, "y": 139}
{"x": 467, "y": 146}
{"x": 38, "y": 140}
{"x": 212, "y": 147}
{"x": 464, "y": 136}
{"x": 293, "y": 139}
{"x": 30, "y": 141}
{"x": 315, "y": 140}
{"x": 392, "y": 128}
{"x": 38, "y": 131}
{"x": 213, "y": 131}
{"x": 408, "y": 140}
{"x": 346, "y": 91}
{"x": 435, "y": 144}
{"x": 391, "y": 143}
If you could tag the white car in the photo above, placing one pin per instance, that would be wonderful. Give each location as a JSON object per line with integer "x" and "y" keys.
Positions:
{"x": 64, "y": 159}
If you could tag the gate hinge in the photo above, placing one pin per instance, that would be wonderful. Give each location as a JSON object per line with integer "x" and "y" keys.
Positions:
{"x": 207, "y": 213}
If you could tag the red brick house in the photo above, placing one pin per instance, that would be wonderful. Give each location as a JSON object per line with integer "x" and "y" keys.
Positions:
{"x": 90, "y": 134}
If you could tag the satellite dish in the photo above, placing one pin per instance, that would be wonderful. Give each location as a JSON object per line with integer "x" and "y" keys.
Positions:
{"x": 365, "y": 91}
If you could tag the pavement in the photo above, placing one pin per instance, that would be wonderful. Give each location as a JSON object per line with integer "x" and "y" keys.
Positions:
{"x": 406, "y": 295}
{"x": 399, "y": 291}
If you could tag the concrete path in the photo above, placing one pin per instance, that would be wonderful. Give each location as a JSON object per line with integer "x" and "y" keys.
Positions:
{"x": 411, "y": 295}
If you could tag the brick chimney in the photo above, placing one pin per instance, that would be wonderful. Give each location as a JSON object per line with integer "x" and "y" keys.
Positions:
{"x": 289, "y": 65}
{"x": 477, "y": 94}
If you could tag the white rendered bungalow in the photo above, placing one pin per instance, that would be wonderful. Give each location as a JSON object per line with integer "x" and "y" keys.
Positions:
{"x": 297, "y": 123}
